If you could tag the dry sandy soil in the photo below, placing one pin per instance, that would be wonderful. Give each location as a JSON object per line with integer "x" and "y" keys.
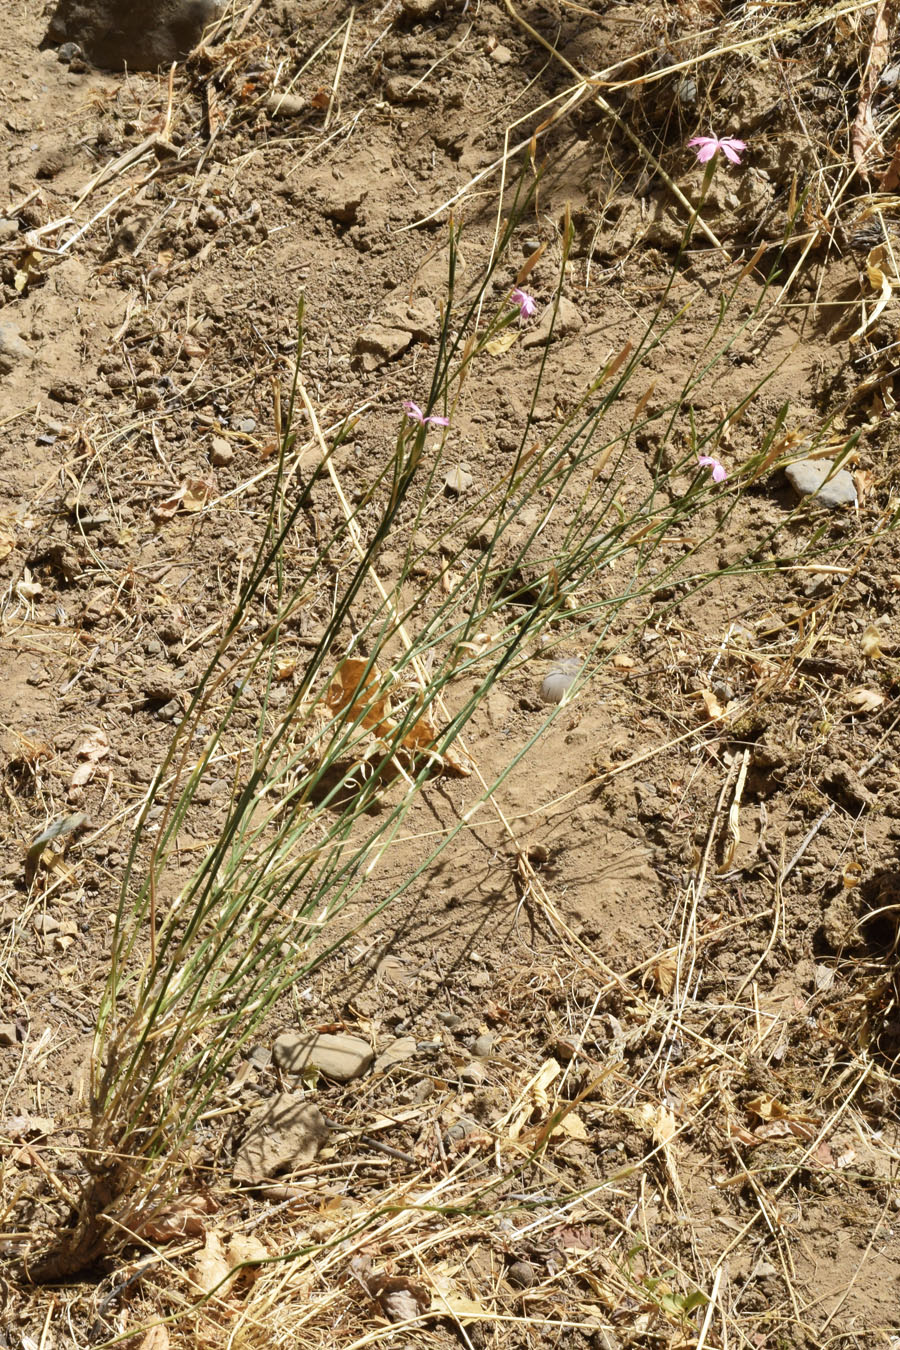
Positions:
{"x": 675, "y": 919}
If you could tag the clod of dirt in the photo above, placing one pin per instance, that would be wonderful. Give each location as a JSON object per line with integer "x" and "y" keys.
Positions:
{"x": 340, "y": 1057}
{"x": 377, "y": 344}
{"x": 220, "y": 452}
{"x": 118, "y": 33}
{"x": 458, "y": 480}
{"x": 807, "y": 477}
{"x": 521, "y": 1274}
{"x": 567, "y": 322}
{"x": 286, "y": 1133}
{"x": 421, "y": 9}
{"x": 12, "y": 348}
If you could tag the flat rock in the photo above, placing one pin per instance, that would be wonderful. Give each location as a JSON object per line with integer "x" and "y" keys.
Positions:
{"x": 12, "y": 348}
{"x": 284, "y": 1134}
{"x": 807, "y": 477}
{"x": 395, "y": 1052}
{"x": 377, "y": 344}
{"x": 340, "y": 1057}
{"x": 568, "y": 321}
{"x": 119, "y": 33}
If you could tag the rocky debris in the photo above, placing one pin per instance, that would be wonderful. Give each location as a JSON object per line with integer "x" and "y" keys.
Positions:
{"x": 285, "y": 105}
{"x": 118, "y": 33}
{"x": 568, "y": 321}
{"x": 7, "y": 1033}
{"x": 59, "y": 555}
{"x": 343, "y": 201}
{"x": 284, "y": 1134}
{"x": 340, "y": 1057}
{"x": 12, "y": 348}
{"x": 501, "y": 55}
{"x": 807, "y": 477}
{"x": 395, "y": 1052}
{"x": 483, "y": 1045}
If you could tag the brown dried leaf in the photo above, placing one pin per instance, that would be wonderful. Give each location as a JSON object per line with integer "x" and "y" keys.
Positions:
{"x": 400, "y": 1299}
{"x": 157, "y": 1338}
{"x": 664, "y": 971}
{"x": 92, "y": 749}
{"x": 352, "y": 687}
{"x": 871, "y": 644}
{"x": 210, "y": 1265}
{"x": 865, "y": 700}
{"x": 246, "y": 1250}
{"x": 186, "y": 1218}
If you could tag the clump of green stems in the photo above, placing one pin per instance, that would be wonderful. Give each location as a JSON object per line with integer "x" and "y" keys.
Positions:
{"x": 320, "y": 795}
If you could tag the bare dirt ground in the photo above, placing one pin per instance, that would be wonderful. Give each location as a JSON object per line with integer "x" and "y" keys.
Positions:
{"x": 646, "y": 1001}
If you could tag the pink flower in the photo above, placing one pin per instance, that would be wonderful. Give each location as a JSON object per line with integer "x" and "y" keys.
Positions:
{"x": 527, "y": 304}
{"x": 719, "y": 472}
{"x": 730, "y": 146}
{"x": 415, "y": 414}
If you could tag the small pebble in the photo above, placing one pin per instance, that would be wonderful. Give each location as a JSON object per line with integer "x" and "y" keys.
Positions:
{"x": 521, "y": 1274}
{"x": 220, "y": 452}
{"x": 559, "y": 679}
{"x": 247, "y": 425}
{"x": 483, "y": 1045}
{"x": 473, "y": 1075}
{"x": 458, "y": 480}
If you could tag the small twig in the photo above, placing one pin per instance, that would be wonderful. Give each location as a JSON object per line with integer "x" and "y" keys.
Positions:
{"x": 340, "y": 66}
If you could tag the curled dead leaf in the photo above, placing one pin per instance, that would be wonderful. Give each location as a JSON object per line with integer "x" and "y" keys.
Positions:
{"x": 865, "y": 700}
{"x": 210, "y": 1266}
{"x": 871, "y": 643}
{"x": 186, "y": 1218}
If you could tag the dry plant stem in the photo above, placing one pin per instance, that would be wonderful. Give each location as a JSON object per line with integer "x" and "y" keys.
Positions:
{"x": 337, "y": 74}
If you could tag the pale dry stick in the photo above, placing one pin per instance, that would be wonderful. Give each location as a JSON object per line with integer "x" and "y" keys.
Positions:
{"x": 710, "y": 1309}
{"x": 124, "y": 161}
{"x": 335, "y": 84}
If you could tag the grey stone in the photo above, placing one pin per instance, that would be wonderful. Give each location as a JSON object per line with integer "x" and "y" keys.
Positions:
{"x": 472, "y": 1075}
{"x": 340, "y": 1057}
{"x": 247, "y": 425}
{"x": 559, "y": 680}
{"x": 7, "y": 1033}
{"x": 568, "y": 321}
{"x": 285, "y": 1133}
{"x": 483, "y": 1045}
{"x": 119, "y": 33}
{"x": 807, "y": 477}
{"x": 404, "y": 1047}
{"x": 12, "y": 348}
{"x": 220, "y": 452}
{"x": 45, "y": 924}
{"x": 458, "y": 480}
{"x": 502, "y": 55}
